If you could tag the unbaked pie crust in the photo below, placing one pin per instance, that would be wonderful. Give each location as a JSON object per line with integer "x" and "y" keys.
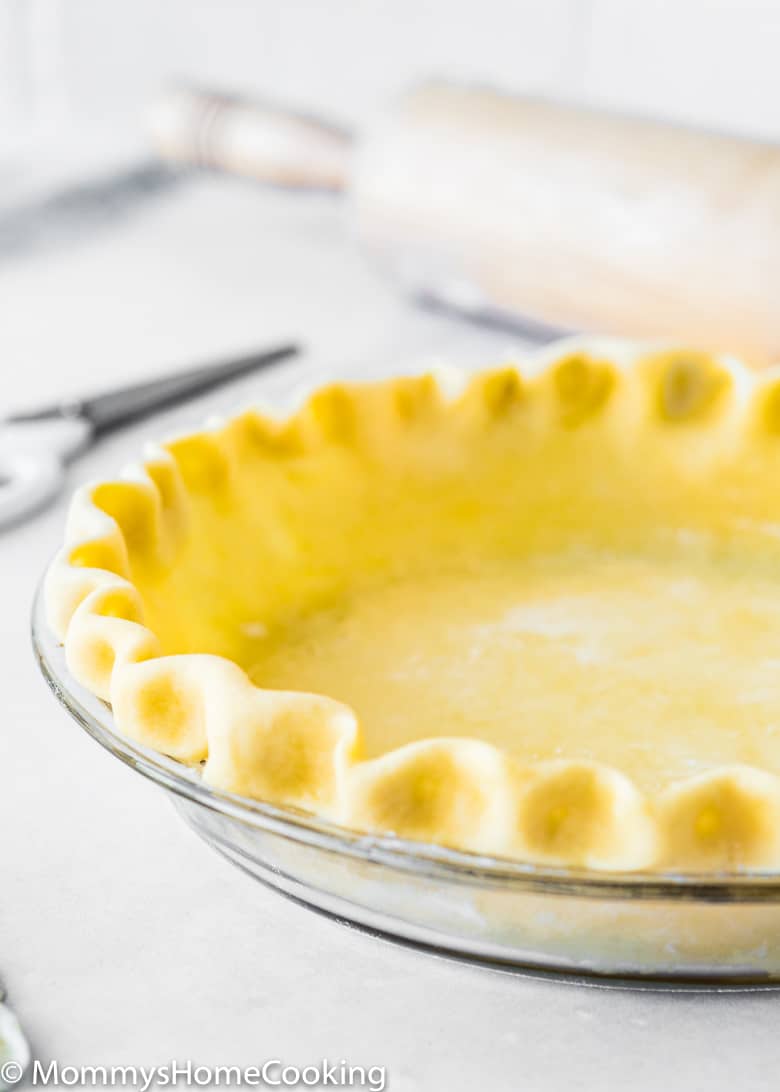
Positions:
{"x": 532, "y": 612}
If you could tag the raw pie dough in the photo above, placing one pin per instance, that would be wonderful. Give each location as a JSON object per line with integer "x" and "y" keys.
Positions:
{"x": 533, "y": 614}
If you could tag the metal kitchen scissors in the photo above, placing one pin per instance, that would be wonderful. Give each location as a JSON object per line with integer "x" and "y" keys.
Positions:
{"x": 36, "y": 447}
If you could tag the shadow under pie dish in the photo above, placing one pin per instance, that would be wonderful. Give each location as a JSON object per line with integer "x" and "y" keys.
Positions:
{"x": 528, "y": 613}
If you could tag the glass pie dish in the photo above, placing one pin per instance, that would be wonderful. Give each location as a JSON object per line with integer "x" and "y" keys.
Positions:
{"x": 671, "y": 922}
{"x": 684, "y": 928}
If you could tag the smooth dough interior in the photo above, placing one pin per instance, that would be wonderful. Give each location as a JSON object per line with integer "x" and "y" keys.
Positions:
{"x": 659, "y": 667}
{"x": 596, "y": 592}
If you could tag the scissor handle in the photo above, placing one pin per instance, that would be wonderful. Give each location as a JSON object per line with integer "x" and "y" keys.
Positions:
{"x": 32, "y": 462}
{"x": 27, "y": 481}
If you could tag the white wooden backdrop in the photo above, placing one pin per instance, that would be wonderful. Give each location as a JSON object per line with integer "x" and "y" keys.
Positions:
{"x": 708, "y": 61}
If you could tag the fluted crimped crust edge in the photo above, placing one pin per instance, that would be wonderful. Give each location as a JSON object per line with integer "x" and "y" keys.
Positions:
{"x": 303, "y": 750}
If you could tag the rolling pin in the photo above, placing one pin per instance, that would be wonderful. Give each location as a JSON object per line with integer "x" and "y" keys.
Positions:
{"x": 517, "y": 209}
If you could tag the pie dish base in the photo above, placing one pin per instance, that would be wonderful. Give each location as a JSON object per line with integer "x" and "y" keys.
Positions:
{"x": 683, "y": 929}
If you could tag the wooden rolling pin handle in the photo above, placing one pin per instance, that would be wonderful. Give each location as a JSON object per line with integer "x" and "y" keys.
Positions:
{"x": 258, "y": 140}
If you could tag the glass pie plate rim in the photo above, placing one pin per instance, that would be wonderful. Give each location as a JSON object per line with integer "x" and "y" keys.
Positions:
{"x": 435, "y": 862}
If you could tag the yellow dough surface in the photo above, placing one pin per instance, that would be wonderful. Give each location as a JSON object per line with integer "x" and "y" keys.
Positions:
{"x": 534, "y": 614}
{"x": 661, "y": 666}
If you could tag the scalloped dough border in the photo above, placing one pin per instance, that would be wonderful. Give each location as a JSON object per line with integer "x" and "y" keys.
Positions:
{"x": 303, "y": 750}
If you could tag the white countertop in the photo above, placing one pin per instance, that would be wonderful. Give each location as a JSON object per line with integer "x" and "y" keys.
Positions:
{"x": 123, "y": 940}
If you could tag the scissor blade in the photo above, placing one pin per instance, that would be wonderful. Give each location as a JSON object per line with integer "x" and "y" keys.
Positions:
{"x": 108, "y": 411}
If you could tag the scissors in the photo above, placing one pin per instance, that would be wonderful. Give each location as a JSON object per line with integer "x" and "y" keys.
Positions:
{"x": 36, "y": 447}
